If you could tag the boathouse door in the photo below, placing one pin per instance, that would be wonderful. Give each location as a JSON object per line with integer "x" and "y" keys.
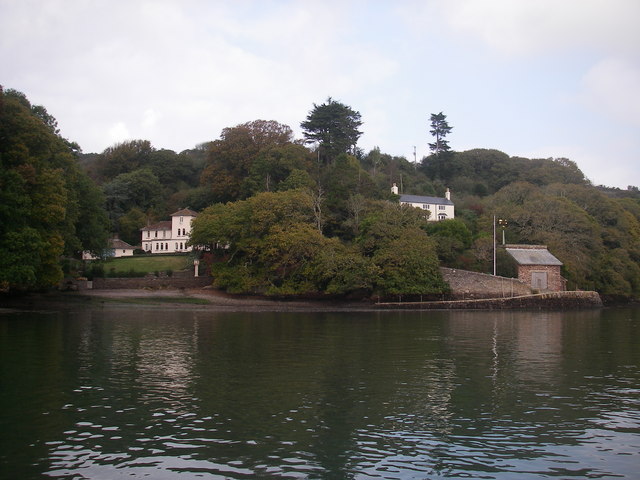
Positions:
{"x": 539, "y": 280}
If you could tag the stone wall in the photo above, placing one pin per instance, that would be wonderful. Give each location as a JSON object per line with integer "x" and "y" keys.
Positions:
{"x": 153, "y": 282}
{"x": 472, "y": 285}
{"x": 555, "y": 283}
{"x": 543, "y": 301}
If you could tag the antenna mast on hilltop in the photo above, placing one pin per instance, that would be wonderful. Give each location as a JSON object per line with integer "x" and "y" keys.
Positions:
{"x": 415, "y": 161}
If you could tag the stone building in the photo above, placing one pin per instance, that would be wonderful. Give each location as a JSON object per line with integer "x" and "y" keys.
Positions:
{"x": 537, "y": 267}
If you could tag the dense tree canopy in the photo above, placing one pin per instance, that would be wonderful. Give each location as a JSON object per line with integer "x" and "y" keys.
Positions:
{"x": 48, "y": 207}
{"x": 281, "y": 218}
{"x": 249, "y": 158}
{"x": 269, "y": 244}
{"x": 335, "y": 126}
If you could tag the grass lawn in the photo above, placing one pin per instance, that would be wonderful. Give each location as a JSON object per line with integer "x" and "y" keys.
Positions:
{"x": 148, "y": 263}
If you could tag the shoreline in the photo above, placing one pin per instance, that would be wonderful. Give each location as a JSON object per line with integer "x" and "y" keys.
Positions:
{"x": 199, "y": 299}
{"x": 218, "y": 301}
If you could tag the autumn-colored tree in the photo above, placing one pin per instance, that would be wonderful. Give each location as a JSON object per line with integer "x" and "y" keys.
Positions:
{"x": 231, "y": 158}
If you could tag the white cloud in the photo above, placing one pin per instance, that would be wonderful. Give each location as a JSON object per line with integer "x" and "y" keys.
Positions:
{"x": 610, "y": 163}
{"x": 611, "y": 87}
{"x": 150, "y": 118}
{"x": 118, "y": 132}
{"x": 531, "y": 27}
{"x": 177, "y": 73}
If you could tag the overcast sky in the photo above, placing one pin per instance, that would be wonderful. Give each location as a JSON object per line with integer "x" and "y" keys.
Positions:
{"x": 533, "y": 78}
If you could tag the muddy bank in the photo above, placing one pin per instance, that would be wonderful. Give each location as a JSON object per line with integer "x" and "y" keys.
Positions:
{"x": 206, "y": 299}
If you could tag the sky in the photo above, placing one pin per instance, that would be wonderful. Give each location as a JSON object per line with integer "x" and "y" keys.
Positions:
{"x": 532, "y": 78}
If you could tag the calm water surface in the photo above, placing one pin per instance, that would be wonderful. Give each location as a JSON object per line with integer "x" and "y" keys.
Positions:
{"x": 163, "y": 394}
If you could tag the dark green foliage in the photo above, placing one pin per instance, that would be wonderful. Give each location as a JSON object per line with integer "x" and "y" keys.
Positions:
{"x": 301, "y": 221}
{"x": 47, "y": 205}
{"x": 439, "y": 129}
{"x": 393, "y": 237}
{"x": 129, "y": 225}
{"x": 140, "y": 189}
{"x": 483, "y": 172}
{"x": 269, "y": 243}
{"x": 341, "y": 180}
{"x": 124, "y": 157}
{"x": 596, "y": 238}
{"x": 239, "y": 163}
{"x": 452, "y": 238}
{"x": 335, "y": 126}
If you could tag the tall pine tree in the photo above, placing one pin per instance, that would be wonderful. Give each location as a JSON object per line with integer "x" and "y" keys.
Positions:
{"x": 439, "y": 129}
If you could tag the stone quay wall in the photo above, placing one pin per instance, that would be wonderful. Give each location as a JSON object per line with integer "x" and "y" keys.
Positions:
{"x": 467, "y": 285}
{"x": 543, "y": 301}
{"x": 152, "y": 282}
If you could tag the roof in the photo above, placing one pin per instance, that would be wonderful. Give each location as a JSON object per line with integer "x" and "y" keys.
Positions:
{"x": 120, "y": 244}
{"x": 185, "y": 212}
{"x": 166, "y": 225}
{"x": 532, "y": 255}
{"x": 421, "y": 199}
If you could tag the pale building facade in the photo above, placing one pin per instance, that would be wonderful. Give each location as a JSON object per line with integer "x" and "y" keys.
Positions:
{"x": 169, "y": 236}
{"x": 438, "y": 207}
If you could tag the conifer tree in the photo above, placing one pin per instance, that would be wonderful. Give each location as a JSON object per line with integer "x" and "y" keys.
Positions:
{"x": 439, "y": 129}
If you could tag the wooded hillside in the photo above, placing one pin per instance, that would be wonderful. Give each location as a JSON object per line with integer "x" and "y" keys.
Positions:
{"x": 314, "y": 216}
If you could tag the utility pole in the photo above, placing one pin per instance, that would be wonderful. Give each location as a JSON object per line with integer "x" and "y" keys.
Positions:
{"x": 415, "y": 160}
{"x": 494, "y": 245}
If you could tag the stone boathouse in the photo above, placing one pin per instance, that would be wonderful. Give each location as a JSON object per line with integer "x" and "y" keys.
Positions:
{"x": 537, "y": 267}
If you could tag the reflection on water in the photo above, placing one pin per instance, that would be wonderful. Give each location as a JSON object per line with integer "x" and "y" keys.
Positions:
{"x": 190, "y": 394}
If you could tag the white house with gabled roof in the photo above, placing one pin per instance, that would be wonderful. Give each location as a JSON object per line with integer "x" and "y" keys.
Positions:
{"x": 117, "y": 248}
{"x": 440, "y": 208}
{"x": 169, "y": 236}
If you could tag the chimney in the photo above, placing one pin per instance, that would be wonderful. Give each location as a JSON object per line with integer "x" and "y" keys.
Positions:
{"x": 447, "y": 194}
{"x": 394, "y": 189}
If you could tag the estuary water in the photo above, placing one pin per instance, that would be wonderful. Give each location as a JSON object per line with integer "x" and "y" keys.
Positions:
{"x": 140, "y": 392}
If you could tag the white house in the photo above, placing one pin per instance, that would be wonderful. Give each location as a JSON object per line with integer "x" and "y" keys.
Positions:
{"x": 169, "y": 236}
{"x": 440, "y": 208}
{"x": 117, "y": 248}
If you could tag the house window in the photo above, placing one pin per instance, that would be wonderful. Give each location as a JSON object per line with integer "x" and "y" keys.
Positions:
{"x": 425, "y": 206}
{"x": 181, "y": 247}
{"x": 441, "y": 207}
{"x": 176, "y": 245}
{"x": 166, "y": 246}
{"x": 442, "y": 216}
{"x": 156, "y": 234}
{"x": 180, "y": 219}
{"x": 148, "y": 233}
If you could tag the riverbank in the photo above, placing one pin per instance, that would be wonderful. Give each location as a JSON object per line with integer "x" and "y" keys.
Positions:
{"x": 205, "y": 298}
{"x": 215, "y": 300}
